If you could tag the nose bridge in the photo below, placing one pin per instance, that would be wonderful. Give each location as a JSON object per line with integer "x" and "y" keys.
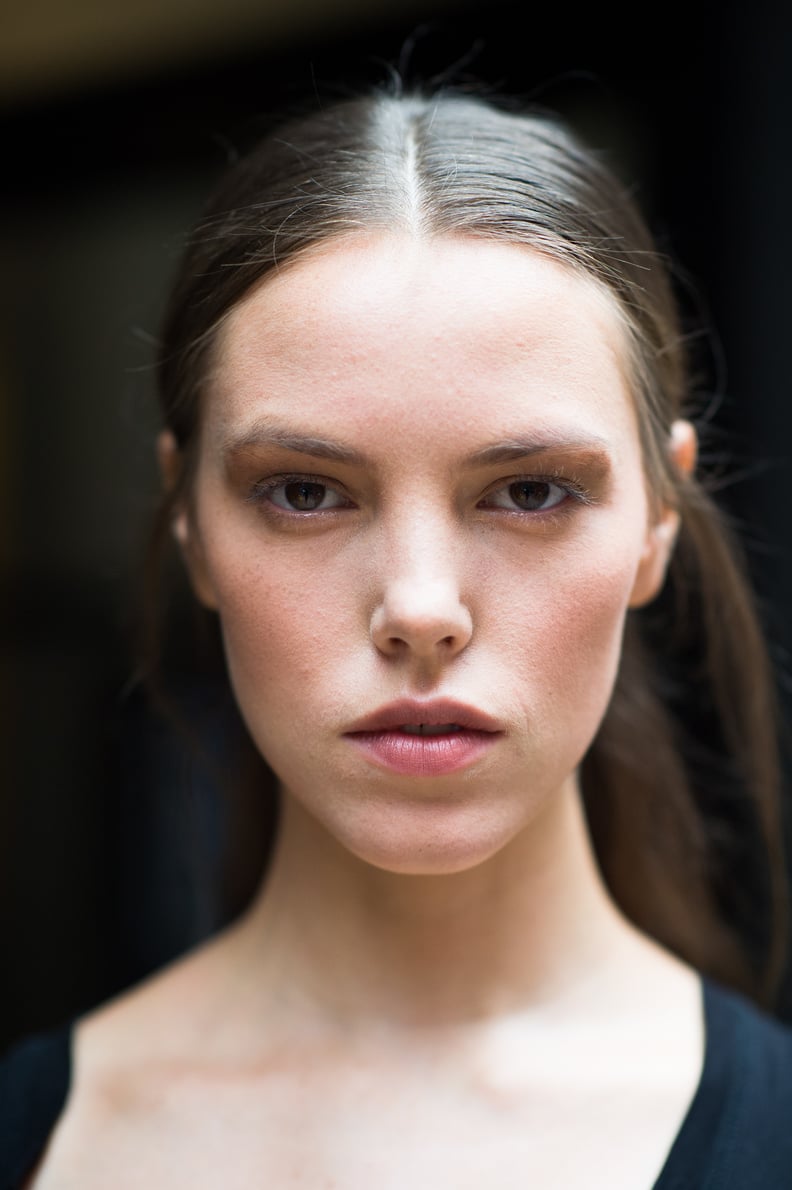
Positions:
{"x": 421, "y": 543}
{"x": 421, "y": 607}
{"x": 423, "y": 555}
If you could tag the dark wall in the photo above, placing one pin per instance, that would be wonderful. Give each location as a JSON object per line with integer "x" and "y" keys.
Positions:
{"x": 110, "y": 831}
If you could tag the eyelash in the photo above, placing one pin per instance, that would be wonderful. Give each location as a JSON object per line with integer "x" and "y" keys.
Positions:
{"x": 572, "y": 489}
{"x": 261, "y": 492}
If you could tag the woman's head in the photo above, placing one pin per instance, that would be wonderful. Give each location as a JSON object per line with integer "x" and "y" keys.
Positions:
{"x": 420, "y": 478}
{"x": 367, "y": 269}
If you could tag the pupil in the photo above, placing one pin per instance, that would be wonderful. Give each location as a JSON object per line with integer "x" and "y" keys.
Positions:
{"x": 530, "y": 494}
{"x": 304, "y": 496}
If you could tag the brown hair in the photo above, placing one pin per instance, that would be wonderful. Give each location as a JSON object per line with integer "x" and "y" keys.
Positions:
{"x": 669, "y": 817}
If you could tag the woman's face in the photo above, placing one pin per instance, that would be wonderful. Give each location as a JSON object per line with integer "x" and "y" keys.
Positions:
{"x": 421, "y": 514}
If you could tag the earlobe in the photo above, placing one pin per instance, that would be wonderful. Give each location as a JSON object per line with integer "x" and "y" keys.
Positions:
{"x": 661, "y": 536}
{"x": 171, "y": 462}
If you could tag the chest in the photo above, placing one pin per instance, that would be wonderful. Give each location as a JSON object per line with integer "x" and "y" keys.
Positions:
{"x": 357, "y": 1130}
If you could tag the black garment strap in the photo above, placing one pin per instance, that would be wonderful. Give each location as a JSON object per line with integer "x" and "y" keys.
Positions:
{"x": 691, "y": 1152}
{"x": 737, "y": 1134}
{"x": 34, "y": 1083}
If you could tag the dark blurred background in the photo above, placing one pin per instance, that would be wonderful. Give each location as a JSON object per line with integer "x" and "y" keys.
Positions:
{"x": 115, "y": 120}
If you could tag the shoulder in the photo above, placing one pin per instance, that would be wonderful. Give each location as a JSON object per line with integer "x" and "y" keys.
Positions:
{"x": 59, "y": 1086}
{"x": 760, "y": 1044}
{"x": 35, "y": 1075}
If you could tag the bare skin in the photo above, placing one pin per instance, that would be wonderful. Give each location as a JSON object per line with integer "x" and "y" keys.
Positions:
{"x": 432, "y": 988}
{"x": 402, "y": 1040}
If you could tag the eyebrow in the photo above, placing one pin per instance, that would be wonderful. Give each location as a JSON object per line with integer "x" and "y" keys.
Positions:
{"x": 520, "y": 448}
{"x": 305, "y": 444}
{"x": 260, "y": 436}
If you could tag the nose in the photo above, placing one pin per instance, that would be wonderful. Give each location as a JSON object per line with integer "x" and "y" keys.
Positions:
{"x": 421, "y": 613}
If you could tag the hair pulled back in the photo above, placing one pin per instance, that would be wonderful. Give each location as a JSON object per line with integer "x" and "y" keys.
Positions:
{"x": 687, "y": 834}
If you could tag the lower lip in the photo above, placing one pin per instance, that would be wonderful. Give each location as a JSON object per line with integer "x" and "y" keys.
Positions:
{"x": 424, "y": 755}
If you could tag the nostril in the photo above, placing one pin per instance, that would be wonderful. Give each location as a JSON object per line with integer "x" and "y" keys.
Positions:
{"x": 426, "y": 622}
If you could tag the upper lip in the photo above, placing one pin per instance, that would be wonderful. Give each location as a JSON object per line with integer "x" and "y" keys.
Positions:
{"x": 412, "y": 712}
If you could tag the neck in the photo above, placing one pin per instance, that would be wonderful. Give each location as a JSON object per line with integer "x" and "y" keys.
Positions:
{"x": 534, "y": 924}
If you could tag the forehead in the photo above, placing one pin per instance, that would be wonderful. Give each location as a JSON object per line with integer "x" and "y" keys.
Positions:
{"x": 449, "y": 331}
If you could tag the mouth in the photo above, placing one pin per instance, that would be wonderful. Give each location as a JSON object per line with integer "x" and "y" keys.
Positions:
{"x": 429, "y": 728}
{"x": 425, "y": 739}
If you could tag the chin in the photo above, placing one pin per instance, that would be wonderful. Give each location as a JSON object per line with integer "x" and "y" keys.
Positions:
{"x": 433, "y": 842}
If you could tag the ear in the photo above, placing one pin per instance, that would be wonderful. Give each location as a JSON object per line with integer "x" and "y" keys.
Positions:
{"x": 661, "y": 536}
{"x": 183, "y": 527}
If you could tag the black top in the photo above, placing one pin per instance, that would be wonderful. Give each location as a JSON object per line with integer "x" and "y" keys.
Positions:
{"x": 736, "y": 1135}
{"x": 34, "y": 1083}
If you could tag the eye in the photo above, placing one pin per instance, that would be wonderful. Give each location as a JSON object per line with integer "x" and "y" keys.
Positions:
{"x": 299, "y": 493}
{"x": 526, "y": 495}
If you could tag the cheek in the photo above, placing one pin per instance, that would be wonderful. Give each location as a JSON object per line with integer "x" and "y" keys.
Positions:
{"x": 286, "y": 635}
{"x": 565, "y": 638}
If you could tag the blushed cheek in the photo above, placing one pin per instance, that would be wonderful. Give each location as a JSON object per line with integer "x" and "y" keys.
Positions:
{"x": 282, "y": 648}
{"x": 270, "y": 635}
{"x": 593, "y": 614}
{"x": 571, "y": 649}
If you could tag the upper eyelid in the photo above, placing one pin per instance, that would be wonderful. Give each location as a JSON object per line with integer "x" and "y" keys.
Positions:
{"x": 276, "y": 481}
{"x": 548, "y": 476}
{"x": 571, "y": 483}
{"x": 563, "y": 459}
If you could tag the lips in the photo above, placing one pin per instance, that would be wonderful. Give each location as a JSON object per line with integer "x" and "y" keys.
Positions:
{"x": 409, "y": 712}
{"x": 424, "y": 738}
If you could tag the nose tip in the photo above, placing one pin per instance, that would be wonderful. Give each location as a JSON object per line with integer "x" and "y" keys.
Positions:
{"x": 427, "y": 621}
